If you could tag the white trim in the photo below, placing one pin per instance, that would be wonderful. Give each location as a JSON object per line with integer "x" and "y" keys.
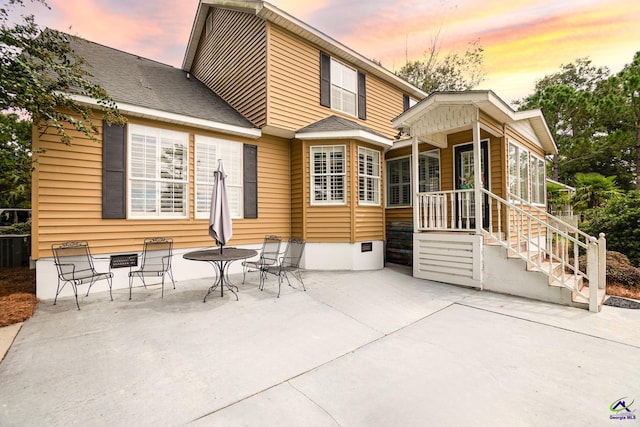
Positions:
{"x": 312, "y": 199}
{"x": 358, "y": 134}
{"x": 386, "y": 183}
{"x": 367, "y": 177}
{"x": 165, "y": 116}
{"x": 157, "y": 132}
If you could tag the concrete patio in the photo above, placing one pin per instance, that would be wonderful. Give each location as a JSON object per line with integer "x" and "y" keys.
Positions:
{"x": 374, "y": 348}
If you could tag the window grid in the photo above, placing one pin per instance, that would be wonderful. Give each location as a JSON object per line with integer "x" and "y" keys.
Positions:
{"x": 158, "y": 183}
{"x": 344, "y": 88}
{"x": 328, "y": 174}
{"x": 399, "y": 178}
{"x": 368, "y": 176}
{"x": 526, "y": 175}
{"x": 208, "y": 152}
{"x": 429, "y": 171}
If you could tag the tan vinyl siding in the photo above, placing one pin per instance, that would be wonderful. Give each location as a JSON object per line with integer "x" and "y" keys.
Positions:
{"x": 67, "y": 198}
{"x": 232, "y": 62}
{"x": 346, "y": 223}
{"x": 294, "y": 88}
{"x": 298, "y": 194}
{"x": 328, "y": 223}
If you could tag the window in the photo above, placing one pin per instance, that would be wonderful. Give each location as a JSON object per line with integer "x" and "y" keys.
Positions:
{"x": 399, "y": 178}
{"x": 429, "y": 170}
{"x": 537, "y": 180}
{"x": 368, "y": 176}
{"x": 158, "y": 174}
{"x": 328, "y": 174}
{"x": 344, "y": 88}
{"x": 208, "y": 151}
{"x": 399, "y": 182}
{"x": 526, "y": 175}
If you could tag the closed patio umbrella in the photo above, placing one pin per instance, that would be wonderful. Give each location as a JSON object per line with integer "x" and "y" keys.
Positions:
{"x": 220, "y": 216}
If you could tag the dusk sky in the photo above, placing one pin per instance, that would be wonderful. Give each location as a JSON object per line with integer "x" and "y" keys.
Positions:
{"x": 524, "y": 40}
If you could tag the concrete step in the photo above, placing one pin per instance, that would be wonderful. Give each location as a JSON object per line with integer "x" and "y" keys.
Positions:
{"x": 583, "y": 300}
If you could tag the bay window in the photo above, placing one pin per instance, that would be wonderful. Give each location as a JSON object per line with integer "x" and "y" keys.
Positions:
{"x": 368, "y": 176}
{"x": 328, "y": 174}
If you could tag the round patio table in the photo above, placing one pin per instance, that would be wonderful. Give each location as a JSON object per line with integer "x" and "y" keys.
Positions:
{"x": 221, "y": 259}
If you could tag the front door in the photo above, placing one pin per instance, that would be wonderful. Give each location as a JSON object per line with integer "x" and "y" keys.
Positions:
{"x": 465, "y": 178}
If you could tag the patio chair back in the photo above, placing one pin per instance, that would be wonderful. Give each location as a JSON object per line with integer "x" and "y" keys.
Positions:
{"x": 289, "y": 264}
{"x": 74, "y": 264}
{"x": 156, "y": 261}
{"x": 156, "y": 255}
{"x": 268, "y": 255}
{"x": 293, "y": 254}
{"x": 270, "y": 250}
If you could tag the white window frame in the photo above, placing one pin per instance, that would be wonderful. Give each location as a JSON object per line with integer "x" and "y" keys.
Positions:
{"x": 401, "y": 185}
{"x": 369, "y": 169}
{"x": 332, "y": 178}
{"x": 535, "y": 168}
{"x": 344, "y": 87}
{"x": 146, "y": 170}
{"x": 429, "y": 155}
{"x": 208, "y": 151}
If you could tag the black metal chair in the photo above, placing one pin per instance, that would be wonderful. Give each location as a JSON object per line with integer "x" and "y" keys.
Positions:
{"x": 74, "y": 263}
{"x": 268, "y": 255}
{"x": 156, "y": 261}
{"x": 289, "y": 263}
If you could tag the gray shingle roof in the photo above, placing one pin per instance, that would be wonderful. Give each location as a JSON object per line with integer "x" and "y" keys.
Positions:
{"x": 336, "y": 124}
{"x": 130, "y": 79}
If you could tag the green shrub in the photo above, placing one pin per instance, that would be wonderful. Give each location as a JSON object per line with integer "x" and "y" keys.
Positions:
{"x": 18, "y": 228}
{"x": 620, "y": 221}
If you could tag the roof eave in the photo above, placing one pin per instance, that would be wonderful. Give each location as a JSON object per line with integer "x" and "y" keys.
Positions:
{"x": 168, "y": 117}
{"x": 357, "y": 134}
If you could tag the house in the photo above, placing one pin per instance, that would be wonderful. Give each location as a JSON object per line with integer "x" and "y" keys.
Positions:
{"x": 318, "y": 142}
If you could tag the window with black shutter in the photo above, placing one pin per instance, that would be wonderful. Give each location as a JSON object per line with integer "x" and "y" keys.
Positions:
{"x": 114, "y": 160}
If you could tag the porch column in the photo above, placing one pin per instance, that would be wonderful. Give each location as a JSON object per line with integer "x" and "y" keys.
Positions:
{"x": 477, "y": 181}
{"x": 414, "y": 183}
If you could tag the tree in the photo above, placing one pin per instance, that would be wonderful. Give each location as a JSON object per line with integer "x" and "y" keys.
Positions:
{"x": 15, "y": 161}
{"x": 594, "y": 190}
{"x": 620, "y": 105}
{"x": 39, "y": 72}
{"x": 619, "y": 220}
{"x": 454, "y": 72}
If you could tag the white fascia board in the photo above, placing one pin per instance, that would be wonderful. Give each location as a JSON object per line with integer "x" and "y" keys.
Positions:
{"x": 165, "y": 116}
{"x": 360, "y": 135}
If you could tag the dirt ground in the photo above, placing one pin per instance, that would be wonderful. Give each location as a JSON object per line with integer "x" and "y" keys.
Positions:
{"x": 18, "y": 300}
{"x": 17, "y": 295}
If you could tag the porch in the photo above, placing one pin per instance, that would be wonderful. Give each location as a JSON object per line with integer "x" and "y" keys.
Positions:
{"x": 492, "y": 194}
{"x": 539, "y": 256}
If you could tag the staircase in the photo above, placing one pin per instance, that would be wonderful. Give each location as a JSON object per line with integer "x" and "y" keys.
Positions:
{"x": 520, "y": 249}
{"x": 508, "y": 271}
{"x": 549, "y": 250}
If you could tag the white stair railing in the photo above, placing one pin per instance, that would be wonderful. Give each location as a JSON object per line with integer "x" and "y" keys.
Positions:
{"x": 551, "y": 245}
{"x": 526, "y": 231}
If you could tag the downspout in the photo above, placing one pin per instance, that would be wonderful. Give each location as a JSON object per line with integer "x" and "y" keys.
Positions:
{"x": 477, "y": 171}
